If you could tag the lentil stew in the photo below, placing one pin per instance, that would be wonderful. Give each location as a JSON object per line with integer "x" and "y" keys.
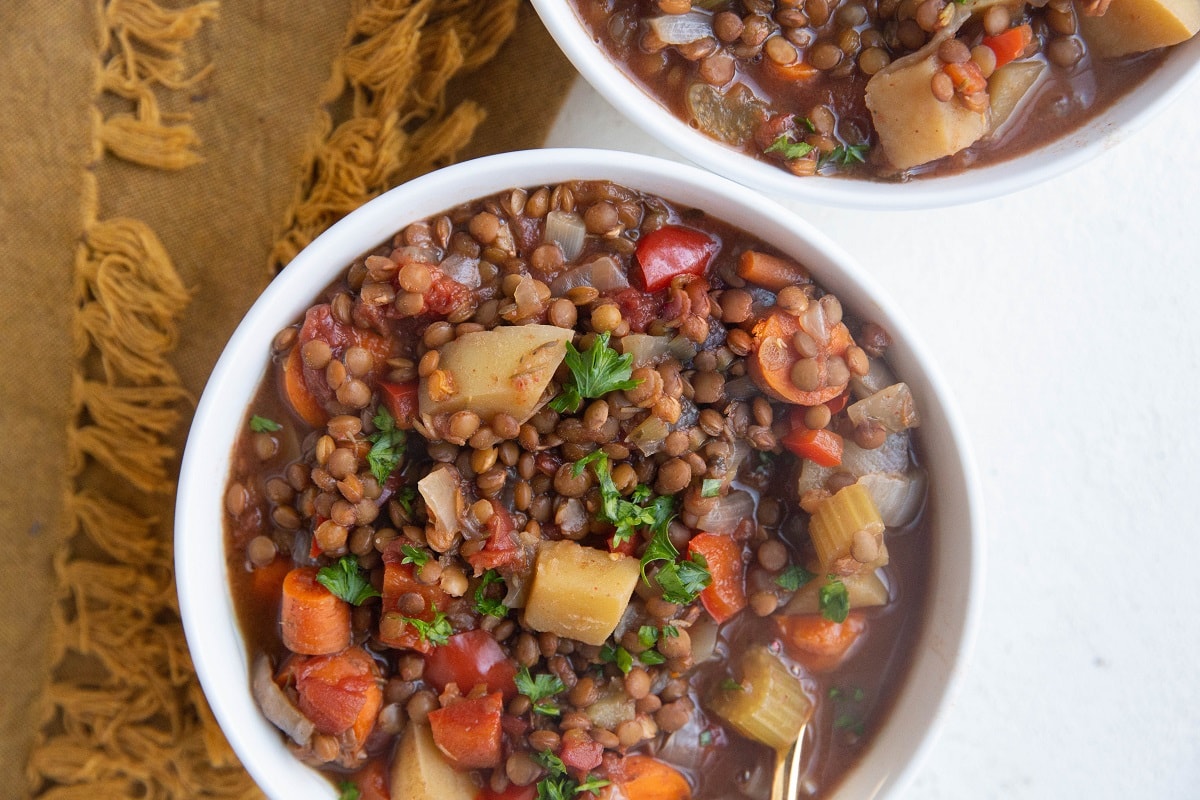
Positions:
{"x": 887, "y": 89}
{"x": 571, "y": 489}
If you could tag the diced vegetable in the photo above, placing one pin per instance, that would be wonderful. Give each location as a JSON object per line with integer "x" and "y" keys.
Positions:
{"x": 726, "y": 594}
{"x": 468, "y": 732}
{"x": 847, "y": 526}
{"x": 401, "y": 400}
{"x": 727, "y": 513}
{"x": 770, "y": 272}
{"x": 1134, "y": 26}
{"x": 639, "y": 777}
{"x": 769, "y": 704}
{"x": 703, "y": 635}
{"x": 340, "y": 693}
{"x": 469, "y": 659}
{"x": 864, "y": 590}
{"x": 302, "y": 401}
{"x": 1010, "y": 44}
{"x": 893, "y": 407}
{"x": 1008, "y": 86}
{"x": 566, "y": 229}
{"x": 579, "y": 592}
{"x": 771, "y": 365}
{"x": 646, "y": 350}
{"x": 612, "y": 708}
{"x": 446, "y": 505}
{"x": 505, "y": 369}
{"x": 423, "y": 773}
{"x": 276, "y": 705}
{"x": 879, "y": 376}
{"x": 681, "y": 28}
{"x": 673, "y": 250}
{"x": 581, "y": 754}
{"x": 819, "y": 644}
{"x": 312, "y": 620}
{"x": 372, "y": 781}
{"x": 602, "y": 274}
{"x": 398, "y": 580}
{"x": 821, "y": 446}
{"x": 898, "y": 495}
{"x": 914, "y": 127}
{"x": 729, "y": 116}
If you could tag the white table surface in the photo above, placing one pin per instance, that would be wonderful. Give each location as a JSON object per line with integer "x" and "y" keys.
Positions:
{"x": 1066, "y": 319}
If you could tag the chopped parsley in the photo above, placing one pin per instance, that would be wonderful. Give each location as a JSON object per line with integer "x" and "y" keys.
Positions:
{"x": 538, "y": 688}
{"x": 730, "y": 685}
{"x": 849, "y": 722}
{"x": 834, "y": 600}
{"x": 387, "y": 446}
{"x": 347, "y": 581}
{"x": 847, "y": 155}
{"x": 626, "y": 515}
{"x": 348, "y": 791}
{"x": 414, "y": 555}
{"x": 681, "y": 581}
{"x": 648, "y": 636}
{"x": 793, "y": 577}
{"x": 436, "y": 632}
{"x": 263, "y": 425}
{"x": 706, "y": 738}
{"x": 558, "y": 785}
{"x": 651, "y": 658}
{"x": 789, "y": 148}
{"x": 488, "y": 605}
{"x": 710, "y": 487}
{"x": 617, "y": 655}
{"x": 594, "y": 373}
{"x": 670, "y": 631}
{"x": 405, "y": 496}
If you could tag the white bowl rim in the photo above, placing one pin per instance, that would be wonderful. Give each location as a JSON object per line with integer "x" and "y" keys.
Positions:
{"x": 1127, "y": 115}
{"x": 206, "y": 606}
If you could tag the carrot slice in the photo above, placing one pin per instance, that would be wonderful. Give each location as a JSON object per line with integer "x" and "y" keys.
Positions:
{"x": 776, "y": 354}
{"x": 639, "y": 777}
{"x": 817, "y": 643}
{"x": 295, "y": 388}
{"x": 770, "y": 272}
{"x": 726, "y": 594}
{"x": 340, "y": 693}
{"x": 312, "y": 620}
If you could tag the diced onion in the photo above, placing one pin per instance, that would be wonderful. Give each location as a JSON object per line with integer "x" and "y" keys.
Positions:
{"x": 878, "y": 377}
{"x": 463, "y": 269}
{"x": 603, "y": 274}
{"x": 277, "y": 706}
{"x": 445, "y": 504}
{"x": 649, "y": 435}
{"x": 897, "y": 495}
{"x": 683, "y": 348}
{"x": 647, "y": 350}
{"x": 889, "y": 458}
{"x": 727, "y": 513}
{"x": 567, "y": 230}
{"x": 893, "y": 407}
{"x": 681, "y": 28}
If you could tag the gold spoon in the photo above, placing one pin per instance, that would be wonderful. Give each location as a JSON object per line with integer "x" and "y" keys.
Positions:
{"x": 786, "y": 782}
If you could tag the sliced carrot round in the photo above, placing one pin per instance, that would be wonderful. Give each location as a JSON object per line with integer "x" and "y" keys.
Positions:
{"x": 771, "y": 364}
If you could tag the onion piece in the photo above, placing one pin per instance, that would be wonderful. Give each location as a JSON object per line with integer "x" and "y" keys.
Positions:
{"x": 277, "y": 706}
{"x": 727, "y": 513}
{"x": 683, "y": 348}
{"x": 890, "y": 457}
{"x": 893, "y": 407}
{"x": 463, "y": 269}
{"x": 603, "y": 274}
{"x": 681, "y": 28}
{"x": 649, "y": 435}
{"x": 878, "y": 377}
{"x": 898, "y": 495}
{"x": 566, "y": 229}
{"x": 445, "y": 503}
{"x": 647, "y": 350}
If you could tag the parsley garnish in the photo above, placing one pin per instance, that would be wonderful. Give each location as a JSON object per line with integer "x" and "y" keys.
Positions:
{"x": 348, "y": 791}
{"x": 617, "y": 655}
{"x": 560, "y": 786}
{"x": 488, "y": 605}
{"x": 414, "y": 555}
{"x": 793, "y": 577}
{"x": 594, "y": 373}
{"x": 848, "y": 722}
{"x": 346, "y": 581}
{"x": 263, "y": 425}
{"x": 710, "y": 487}
{"x": 834, "y": 600}
{"x": 437, "y": 632}
{"x": 387, "y": 446}
{"x": 681, "y": 581}
{"x": 789, "y": 149}
{"x": 538, "y": 688}
{"x": 706, "y": 738}
{"x": 648, "y": 636}
{"x": 651, "y": 658}
{"x": 670, "y": 631}
{"x": 847, "y": 155}
{"x": 625, "y": 515}
{"x": 730, "y": 685}
{"x": 405, "y": 497}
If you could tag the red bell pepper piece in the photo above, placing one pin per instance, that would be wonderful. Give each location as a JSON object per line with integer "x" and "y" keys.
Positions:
{"x": 822, "y": 447}
{"x": 726, "y": 594}
{"x": 1009, "y": 44}
{"x": 673, "y": 250}
{"x": 469, "y": 659}
{"x": 468, "y": 731}
{"x": 401, "y": 400}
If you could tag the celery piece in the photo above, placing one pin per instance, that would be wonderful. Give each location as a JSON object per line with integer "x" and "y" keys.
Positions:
{"x": 847, "y": 527}
{"x": 770, "y": 707}
{"x": 865, "y": 589}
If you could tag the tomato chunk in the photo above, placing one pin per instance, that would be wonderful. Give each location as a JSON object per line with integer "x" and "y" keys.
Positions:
{"x": 673, "y": 250}
{"x": 468, "y": 732}
{"x": 401, "y": 401}
{"x": 399, "y": 580}
{"x": 581, "y": 753}
{"x": 469, "y": 659}
{"x": 726, "y": 594}
{"x": 340, "y": 692}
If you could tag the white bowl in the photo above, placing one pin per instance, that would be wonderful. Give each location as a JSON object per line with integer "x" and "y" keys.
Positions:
{"x": 215, "y": 640}
{"x": 1103, "y": 133}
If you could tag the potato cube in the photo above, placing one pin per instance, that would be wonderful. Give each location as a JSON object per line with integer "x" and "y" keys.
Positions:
{"x": 420, "y": 771}
{"x": 1134, "y": 26}
{"x": 579, "y": 592}
{"x": 915, "y": 127}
